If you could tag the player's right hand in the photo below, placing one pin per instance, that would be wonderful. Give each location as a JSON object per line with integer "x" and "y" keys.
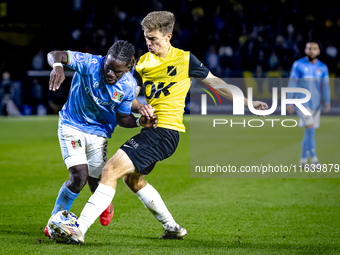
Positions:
{"x": 149, "y": 122}
{"x": 327, "y": 107}
{"x": 146, "y": 110}
{"x": 57, "y": 76}
{"x": 290, "y": 109}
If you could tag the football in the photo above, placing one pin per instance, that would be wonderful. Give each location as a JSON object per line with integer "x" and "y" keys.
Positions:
{"x": 61, "y": 217}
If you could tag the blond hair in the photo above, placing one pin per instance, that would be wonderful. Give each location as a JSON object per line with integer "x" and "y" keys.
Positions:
{"x": 163, "y": 21}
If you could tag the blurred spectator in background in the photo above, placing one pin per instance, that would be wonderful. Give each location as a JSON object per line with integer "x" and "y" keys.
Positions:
{"x": 4, "y": 91}
{"x": 226, "y": 53}
{"x": 331, "y": 54}
{"x": 16, "y": 91}
{"x": 7, "y": 106}
{"x": 38, "y": 98}
{"x": 262, "y": 61}
{"x": 212, "y": 61}
{"x": 273, "y": 61}
{"x": 38, "y": 61}
{"x": 259, "y": 76}
{"x": 238, "y": 35}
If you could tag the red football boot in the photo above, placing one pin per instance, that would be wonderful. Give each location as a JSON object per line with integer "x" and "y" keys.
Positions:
{"x": 46, "y": 233}
{"x": 106, "y": 216}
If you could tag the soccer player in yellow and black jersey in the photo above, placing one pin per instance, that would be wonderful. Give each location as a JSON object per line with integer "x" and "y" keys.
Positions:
{"x": 166, "y": 82}
{"x": 165, "y": 74}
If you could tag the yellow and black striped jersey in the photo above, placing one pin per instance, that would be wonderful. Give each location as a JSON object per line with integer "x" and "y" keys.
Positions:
{"x": 166, "y": 82}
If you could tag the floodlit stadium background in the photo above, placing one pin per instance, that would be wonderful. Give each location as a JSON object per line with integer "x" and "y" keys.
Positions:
{"x": 235, "y": 39}
{"x": 241, "y": 39}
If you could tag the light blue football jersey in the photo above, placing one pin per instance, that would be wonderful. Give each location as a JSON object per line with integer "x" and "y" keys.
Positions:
{"x": 313, "y": 77}
{"x": 91, "y": 103}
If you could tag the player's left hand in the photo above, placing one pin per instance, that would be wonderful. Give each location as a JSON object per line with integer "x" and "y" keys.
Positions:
{"x": 258, "y": 105}
{"x": 149, "y": 122}
{"x": 146, "y": 110}
{"x": 327, "y": 107}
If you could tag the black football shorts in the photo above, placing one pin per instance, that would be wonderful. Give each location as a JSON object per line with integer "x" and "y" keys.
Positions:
{"x": 150, "y": 146}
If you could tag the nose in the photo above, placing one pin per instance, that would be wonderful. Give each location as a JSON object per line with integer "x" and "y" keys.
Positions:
{"x": 148, "y": 42}
{"x": 111, "y": 73}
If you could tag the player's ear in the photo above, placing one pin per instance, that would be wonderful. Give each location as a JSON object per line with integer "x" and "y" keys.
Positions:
{"x": 169, "y": 36}
{"x": 131, "y": 64}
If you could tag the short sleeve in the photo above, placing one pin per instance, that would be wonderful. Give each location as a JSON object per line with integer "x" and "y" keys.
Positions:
{"x": 82, "y": 63}
{"x": 196, "y": 68}
{"x": 124, "y": 107}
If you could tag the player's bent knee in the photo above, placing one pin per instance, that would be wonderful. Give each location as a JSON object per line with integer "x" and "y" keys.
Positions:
{"x": 78, "y": 177}
{"x": 117, "y": 167}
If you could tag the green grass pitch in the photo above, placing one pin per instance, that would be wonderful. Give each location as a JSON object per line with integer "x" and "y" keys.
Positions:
{"x": 222, "y": 216}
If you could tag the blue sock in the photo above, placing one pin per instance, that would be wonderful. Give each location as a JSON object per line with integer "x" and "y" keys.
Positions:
{"x": 311, "y": 141}
{"x": 64, "y": 200}
{"x": 305, "y": 146}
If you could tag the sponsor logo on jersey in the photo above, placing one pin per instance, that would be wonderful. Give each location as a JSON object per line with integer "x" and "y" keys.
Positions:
{"x": 171, "y": 70}
{"x": 97, "y": 100}
{"x": 76, "y": 144}
{"x": 318, "y": 71}
{"x": 117, "y": 97}
{"x": 79, "y": 56}
{"x": 157, "y": 90}
{"x": 95, "y": 85}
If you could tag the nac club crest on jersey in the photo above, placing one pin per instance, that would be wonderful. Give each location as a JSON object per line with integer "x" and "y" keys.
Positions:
{"x": 76, "y": 144}
{"x": 117, "y": 97}
{"x": 79, "y": 56}
{"x": 171, "y": 70}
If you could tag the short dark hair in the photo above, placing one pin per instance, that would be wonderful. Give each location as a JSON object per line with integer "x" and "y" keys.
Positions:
{"x": 163, "y": 21}
{"x": 123, "y": 51}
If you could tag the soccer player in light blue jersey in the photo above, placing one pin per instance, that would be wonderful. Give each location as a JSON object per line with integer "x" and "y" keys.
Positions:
{"x": 311, "y": 74}
{"x": 100, "y": 97}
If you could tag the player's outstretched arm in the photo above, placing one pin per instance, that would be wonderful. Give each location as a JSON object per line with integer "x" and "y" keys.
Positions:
{"x": 212, "y": 81}
{"x": 130, "y": 121}
{"x": 55, "y": 59}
